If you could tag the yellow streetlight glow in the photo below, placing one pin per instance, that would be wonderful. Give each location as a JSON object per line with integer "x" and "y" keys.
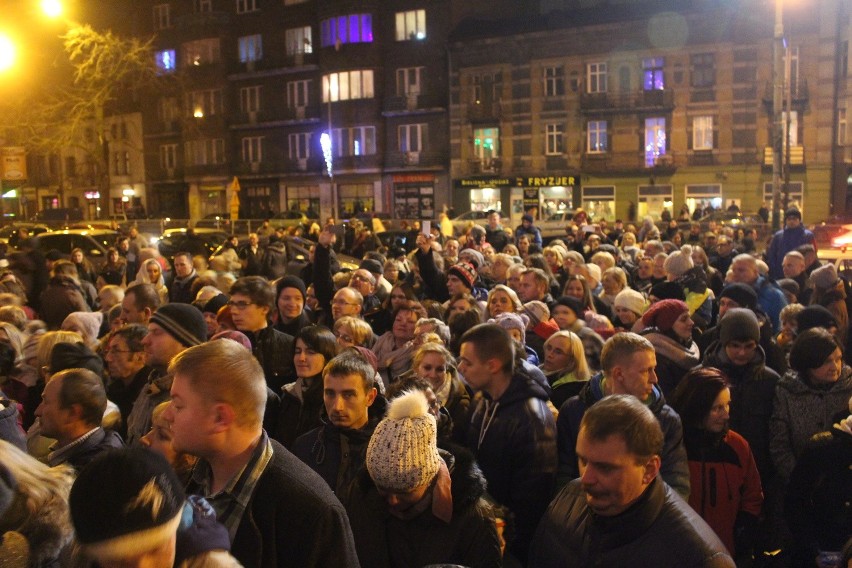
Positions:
{"x": 7, "y": 52}
{"x": 52, "y": 8}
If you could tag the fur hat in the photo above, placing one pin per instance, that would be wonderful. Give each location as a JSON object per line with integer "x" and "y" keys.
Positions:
{"x": 631, "y": 300}
{"x": 738, "y": 324}
{"x": 824, "y": 277}
{"x": 74, "y": 356}
{"x": 664, "y": 313}
{"x": 126, "y": 502}
{"x": 537, "y": 312}
{"x": 184, "y": 322}
{"x": 679, "y": 262}
{"x": 403, "y": 454}
{"x": 814, "y": 316}
{"x": 465, "y": 272}
{"x": 743, "y": 294}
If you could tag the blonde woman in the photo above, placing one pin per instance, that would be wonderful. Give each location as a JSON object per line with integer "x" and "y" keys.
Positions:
{"x": 564, "y": 365}
{"x": 434, "y": 362}
{"x": 502, "y": 299}
{"x": 614, "y": 280}
{"x": 353, "y": 332}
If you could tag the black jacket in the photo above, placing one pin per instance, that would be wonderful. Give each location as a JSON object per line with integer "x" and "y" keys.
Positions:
{"x": 274, "y": 351}
{"x": 514, "y": 442}
{"x": 660, "y": 529}
{"x": 298, "y": 412}
{"x": 100, "y": 441}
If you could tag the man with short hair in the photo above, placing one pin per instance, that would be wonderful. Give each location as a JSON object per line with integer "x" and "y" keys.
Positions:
{"x": 172, "y": 329}
{"x": 139, "y": 304}
{"x": 251, "y": 256}
{"x": 535, "y": 285}
{"x": 365, "y": 282}
{"x": 770, "y": 297}
{"x": 789, "y": 238}
{"x": 724, "y": 256}
{"x": 63, "y": 295}
{"x": 628, "y": 363}
{"x": 180, "y": 290}
{"x": 72, "y": 407}
{"x": 511, "y": 431}
{"x": 278, "y": 511}
{"x": 812, "y": 262}
{"x": 125, "y": 359}
{"x": 793, "y": 266}
{"x": 347, "y": 302}
{"x": 495, "y": 235}
{"x": 619, "y": 513}
{"x": 527, "y": 228}
{"x": 353, "y": 408}
{"x": 252, "y": 300}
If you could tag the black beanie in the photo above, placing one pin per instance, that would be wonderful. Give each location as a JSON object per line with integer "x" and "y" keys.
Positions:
{"x": 215, "y": 303}
{"x": 814, "y": 316}
{"x": 739, "y": 324}
{"x": 573, "y": 304}
{"x": 291, "y": 282}
{"x": 810, "y": 350}
{"x": 74, "y": 356}
{"x": 743, "y": 294}
{"x": 184, "y": 322}
{"x": 668, "y": 291}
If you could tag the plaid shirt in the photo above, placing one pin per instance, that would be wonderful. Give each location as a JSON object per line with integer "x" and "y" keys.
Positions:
{"x": 231, "y": 502}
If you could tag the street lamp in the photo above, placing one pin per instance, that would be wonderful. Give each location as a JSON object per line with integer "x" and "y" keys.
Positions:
{"x": 51, "y": 8}
{"x": 7, "y": 53}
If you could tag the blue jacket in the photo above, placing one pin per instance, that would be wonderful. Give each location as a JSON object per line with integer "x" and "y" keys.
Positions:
{"x": 533, "y": 232}
{"x": 770, "y": 299}
{"x": 783, "y": 242}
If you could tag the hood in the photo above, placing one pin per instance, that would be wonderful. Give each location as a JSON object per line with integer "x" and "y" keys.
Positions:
{"x": 468, "y": 482}
{"x": 684, "y": 356}
{"x": 792, "y": 383}
{"x": 527, "y": 382}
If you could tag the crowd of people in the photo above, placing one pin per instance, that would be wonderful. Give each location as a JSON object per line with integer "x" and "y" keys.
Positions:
{"x": 623, "y": 395}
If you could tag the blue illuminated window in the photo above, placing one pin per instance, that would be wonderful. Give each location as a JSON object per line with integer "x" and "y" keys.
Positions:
{"x": 353, "y": 28}
{"x": 165, "y": 60}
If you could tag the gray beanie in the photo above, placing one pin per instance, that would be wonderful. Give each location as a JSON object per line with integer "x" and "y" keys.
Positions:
{"x": 824, "y": 277}
{"x": 738, "y": 324}
{"x": 184, "y": 322}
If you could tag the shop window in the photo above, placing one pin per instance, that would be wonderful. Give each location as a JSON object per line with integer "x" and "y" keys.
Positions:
{"x": 305, "y": 199}
{"x": 599, "y": 202}
{"x": 356, "y": 198}
{"x": 653, "y": 199}
{"x": 704, "y": 197}
{"x": 414, "y": 201}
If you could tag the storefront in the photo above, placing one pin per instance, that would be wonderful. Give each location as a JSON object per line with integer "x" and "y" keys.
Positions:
{"x": 703, "y": 195}
{"x": 542, "y": 195}
{"x": 212, "y": 199}
{"x": 355, "y": 198}
{"x": 481, "y": 193}
{"x": 599, "y": 202}
{"x": 653, "y": 199}
{"x": 304, "y": 198}
{"x": 414, "y": 196}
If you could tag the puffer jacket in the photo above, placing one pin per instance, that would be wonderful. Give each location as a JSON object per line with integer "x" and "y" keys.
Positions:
{"x": 299, "y": 410}
{"x": 674, "y": 359}
{"x": 752, "y": 399}
{"x": 469, "y": 539}
{"x": 674, "y": 468}
{"x": 802, "y": 410}
{"x": 514, "y": 442}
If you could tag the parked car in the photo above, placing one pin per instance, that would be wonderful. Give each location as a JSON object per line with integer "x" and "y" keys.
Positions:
{"x": 554, "y": 226}
{"x": 298, "y": 255}
{"x": 477, "y": 217}
{"x": 173, "y": 241}
{"x": 841, "y": 258}
{"x": 94, "y": 243}
{"x": 9, "y": 233}
{"x": 828, "y": 229}
{"x": 289, "y": 219}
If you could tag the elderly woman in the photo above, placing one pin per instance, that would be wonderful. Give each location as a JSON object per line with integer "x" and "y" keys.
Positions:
{"x": 152, "y": 273}
{"x": 436, "y": 364}
{"x": 669, "y": 329}
{"x": 564, "y": 366}
{"x": 353, "y": 332}
{"x": 614, "y": 280}
{"x": 809, "y": 399}
{"x": 395, "y": 348}
{"x": 503, "y": 299}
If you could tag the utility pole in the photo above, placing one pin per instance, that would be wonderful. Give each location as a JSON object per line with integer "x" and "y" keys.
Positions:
{"x": 777, "y": 115}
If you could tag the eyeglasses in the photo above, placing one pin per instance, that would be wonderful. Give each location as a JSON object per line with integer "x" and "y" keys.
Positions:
{"x": 239, "y": 305}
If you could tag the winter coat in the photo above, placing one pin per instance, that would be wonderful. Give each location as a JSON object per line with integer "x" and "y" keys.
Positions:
{"x": 81, "y": 454}
{"x": 469, "y": 539}
{"x": 820, "y": 490}
{"x": 752, "y": 400}
{"x": 802, "y": 410}
{"x": 252, "y": 261}
{"x": 62, "y": 296}
{"x": 10, "y": 427}
{"x": 156, "y": 390}
{"x": 498, "y": 238}
{"x": 775, "y": 356}
{"x": 294, "y": 327}
{"x": 783, "y": 242}
{"x": 674, "y": 468}
{"x": 275, "y": 260}
{"x": 563, "y": 385}
{"x": 180, "y": 290}
{"x": 125, "y": 395}
{"x": 724, "y": 484}
{"x": 274, "y": 351}
{"x": 660, "y": 529}
{"x": 514, "y": 442}
{"x": 299, "y": 411}
{"x": 771, "y": 300}
{"x": 533, "y": 232}
{"x": 674, "y": 359}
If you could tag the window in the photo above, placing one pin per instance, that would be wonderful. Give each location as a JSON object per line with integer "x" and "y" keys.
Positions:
{"x": 655, "y": 140}
{"x": 201, "y": 52}
{"x": 300, "y": 145}
{"x": 486, "y": 87}
{"x": 121, "y": 163}
{"x": 168, "y": 156}
{"x": 596, "y": 78}
{"x": 703, "y": 70}
{"x": 411, "y": 25}
{"x": 702, "y": 133}
{"x": 791, "y": 133}
{"x": 355, "y": 141}
{"x": 204, "y": 103}
{"x": 353, "y": 28}
{"x": 793, "y": 55}
{"x": 486, "y": 143}
{"x": 348, "y": 85}
{"x": 554, "y": 81}
{"x": 200, "y": 6}
{"x": 250, "y": 99}
{"x": 167, "y": 110}
{"x": 205, "y": 152}
{"x": 553, "y": 137}
{"x": 841, "y": 127}
{"x": 165, "y": 60}
{"x": 245, "y": 6}
{"x": 596, "y": 139}
{"x": 411, "y": 137}
{"x": 162, "y": 19}
{"x": 652, "y": 70}
{"x": 298, "y": 40}
{"x": 250, "y": 48}
{"x": 298, "y": 93}
{"x": 408, "y": 81}
{"x": 252, "y": 149}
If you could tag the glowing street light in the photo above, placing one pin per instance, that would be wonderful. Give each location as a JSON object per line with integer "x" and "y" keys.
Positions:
{"x": 7, "y": 52}
{"x": 51, "y": 8}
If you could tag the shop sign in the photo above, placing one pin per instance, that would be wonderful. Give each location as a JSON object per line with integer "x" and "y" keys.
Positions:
{"x": 525, "y": 181}
{"x": 547, "y": 181}
{"x": 530, "y": 198}
{"x": 14, "y": 163}
{"x": 414, "y": 178}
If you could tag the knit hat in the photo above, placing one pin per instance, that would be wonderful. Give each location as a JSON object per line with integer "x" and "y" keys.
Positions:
{"x": 572, "y": 304}
{"x": 790, "y": 286}
{"x": 743, "y": 294}
{"x": 87, "y": 324}
{"x": 679, "y": 261}
{"x": 371, "y": 266}
{"x": 824, "y": 277}
{"x": 527, "y": 217}
{"x": 126, "y": 502}
{"x": 738, "y": 324}
{"x": 668, "y": 291}
{"x": 599, "y": 323}
{"x": 537, "y": 311}
{"x": 74, "y": 356}
{"x": 664, "y": 313}
{"x": 213, "y": 304}
{"x": 509, "y": 320}
{"x": 297, "y": 283}
{"x": 403, "y": 454}
{"x": 631, "y": 300}
{"x": 594, "y": 272}
{"x": 465, "y": 272}
{"x": 793, "y": 212}
{"x": 184, "y": 322}
{"x": 233, "y": 335}
{"x": 814, "y": 316}
{"x": 472, "y": 256}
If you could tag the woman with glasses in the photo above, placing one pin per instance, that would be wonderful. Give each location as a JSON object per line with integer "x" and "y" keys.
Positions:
{"x": 302, "y": 401}
{"x": 353, "y": 332}
{"x": 564, "y": 366}
{"x": 400, "y": 294}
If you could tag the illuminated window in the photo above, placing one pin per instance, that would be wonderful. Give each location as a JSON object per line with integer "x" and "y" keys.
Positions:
{"x": 252, "y": 149}
{"x": 596, "y": 78}
{"x": 411, "y": 25}
{"x": 652, "y": 69}
{"x": 352, "y": 28}
{"x": 354, "y": 141}
{"x": 411, "y": 137}
{"x": 250, "y": 48}
{"x": 201, "y": 52}
{"x": 486, "y": 143}
{"x": 162, "y": 18}
{"x": 347, "y": 85}
{"x": 165, "y": 60}
{"x": 655, "y": 140}
{"x": 596, "y": 139}
{"x": 408, "y": 81}
{"x": 702, "y": 133}
{"x": 250, "y": 99}
{"x": 553, "y": 137}
{"x": 298, "y": 40}
{"x": 204, "y": 103}
{"x": 299, "y": 145}
{"x": 298, "y": 93}
{"x": 121, "y": 163}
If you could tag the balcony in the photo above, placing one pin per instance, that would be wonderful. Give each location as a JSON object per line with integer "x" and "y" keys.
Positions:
{"x": 799, "y": 95}
{"x": 632, "y": 163}
{"x": 485, "y": 111}
{"x": 629, "y": 102}
{"x": 797, "y": 156}
{"x": 309, "y": 113}
{"x": 412, "y": 103}
{"x": 414, "y": 159}
{"x": 478, "y": 166}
